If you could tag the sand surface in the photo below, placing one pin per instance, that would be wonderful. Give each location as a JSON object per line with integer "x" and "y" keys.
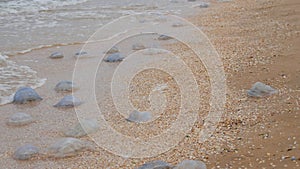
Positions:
{"x": 257, "y": 40}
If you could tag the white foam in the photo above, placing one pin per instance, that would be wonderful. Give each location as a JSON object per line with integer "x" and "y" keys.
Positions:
{"x": 14, "y": 76}
{"x": 31, "y": 6}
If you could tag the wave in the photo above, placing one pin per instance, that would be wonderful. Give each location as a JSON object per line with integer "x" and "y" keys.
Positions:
{"x": 14, "y": 76}
{"x": 31, "y": 6}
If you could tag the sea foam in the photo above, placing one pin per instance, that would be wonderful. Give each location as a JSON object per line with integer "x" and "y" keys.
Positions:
{"x": 14, "y": 76}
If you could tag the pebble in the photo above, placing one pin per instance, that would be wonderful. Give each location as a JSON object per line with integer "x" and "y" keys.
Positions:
{"x": 67, "y": 147}
{"x": 83, "y": 128}
{"x": 25, "y": 95}
{"x": 139, "y": 117}
{"x": 68, "y": 101}
{"x": 56, "y": 55}
{"x": 19, "y": 119}
{"x": 156, "y": 165}
{"x": 116, "y": 57}
{"x": 25, "y": 152}
{"x": 191, "y": 164}
{"x": 261, "y": 90}
{"x": 65, "y": 86}
{"x": 113, "y": 50}
{"x": 138, "y": 46}
{"x": 164, "y": 37}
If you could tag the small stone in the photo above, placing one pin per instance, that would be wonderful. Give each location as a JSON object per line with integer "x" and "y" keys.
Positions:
{"x": 261, "y": 90}
{"x": 67, "y": 147}
{"x": 56, "y": 55}
{"x": 65, "y": 86}
{"x": 156, "y": 165}
{"x": 139, "y": 117}
{"x": 191, "y": 164}
{"x": 25, "y": 152}
{"x": 164, "y": 37}
{"x": 116, "y": 57}
{"x": 83, "y": 128}
{"x": 113, "y": 50}
{"x": 25, "y": 95}
{"x": 284, "y": 157}
{"x": 138, "y": 46}
{"x": 68, "y": 101}
{"x": 293, "y": 158}
{"x": 80, "y": 54}
{"x": 19, "y": 119}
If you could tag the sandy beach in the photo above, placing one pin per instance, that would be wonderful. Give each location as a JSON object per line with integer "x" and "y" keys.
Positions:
{"x": 258, "y": 41}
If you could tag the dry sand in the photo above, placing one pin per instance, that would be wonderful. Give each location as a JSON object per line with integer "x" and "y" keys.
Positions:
{"x": 258, "y": 41}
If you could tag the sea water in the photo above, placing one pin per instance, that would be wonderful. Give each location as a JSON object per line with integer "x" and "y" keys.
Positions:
{"x": 29, "y": 24}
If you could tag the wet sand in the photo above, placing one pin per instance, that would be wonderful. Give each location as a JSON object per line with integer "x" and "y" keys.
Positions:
{"x": 258, "y": 41}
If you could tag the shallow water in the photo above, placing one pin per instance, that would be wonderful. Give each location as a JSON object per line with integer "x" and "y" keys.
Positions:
{"x": 32, "y": 24}
{"x": 28, "y": 24}
{"x": 13, "y": 77}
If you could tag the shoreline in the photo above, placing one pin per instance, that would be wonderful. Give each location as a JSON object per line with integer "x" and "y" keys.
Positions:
{"x": 254, "y": 41}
